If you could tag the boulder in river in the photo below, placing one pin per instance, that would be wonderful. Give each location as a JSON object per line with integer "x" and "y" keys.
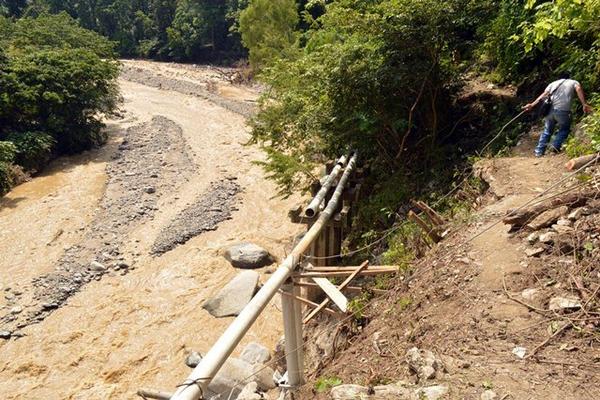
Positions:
{"x": 230, "y": 378}
{"x": 234, "y": 296}
{"x": 248, "y": 256}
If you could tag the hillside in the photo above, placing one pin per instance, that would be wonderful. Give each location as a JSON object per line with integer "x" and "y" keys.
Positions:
{"x": 482, "y": 295}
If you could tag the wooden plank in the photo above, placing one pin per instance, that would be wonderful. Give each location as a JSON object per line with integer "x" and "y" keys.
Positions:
{"x": 341, "y": 286}
{"x": 309, "y": 303}
{"x": 430, "y": 212}
{"x": 423, "y": 225}
{"x": 331, "y": 274}
{"x": 333, "y": 268}
{"x": 355, "y": 289}
{"x": 332, "y": 292}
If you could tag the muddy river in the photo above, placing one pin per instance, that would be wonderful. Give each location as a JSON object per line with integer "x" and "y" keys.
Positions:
{"x": 106, "y": 334}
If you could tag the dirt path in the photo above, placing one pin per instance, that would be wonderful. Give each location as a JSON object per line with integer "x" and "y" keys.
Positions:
{"x": 103, "y": 333}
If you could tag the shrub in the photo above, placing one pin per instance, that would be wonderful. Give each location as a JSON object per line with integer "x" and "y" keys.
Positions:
{"x": 33, "y": 149}
{"x": 7, "y": 152}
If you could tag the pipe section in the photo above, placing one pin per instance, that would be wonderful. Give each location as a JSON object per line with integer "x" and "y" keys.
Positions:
{"x": 313, "y": 206}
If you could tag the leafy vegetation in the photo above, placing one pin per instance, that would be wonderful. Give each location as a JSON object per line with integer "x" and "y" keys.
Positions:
{"x": 56, "y": 80}
{"x": 325, "y": 383}
{"x": 185, "y": 30}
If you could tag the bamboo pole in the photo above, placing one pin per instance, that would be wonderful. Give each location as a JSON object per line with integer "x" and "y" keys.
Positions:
{"x": 197, "y": 382}
{"x": 314, "y": 205}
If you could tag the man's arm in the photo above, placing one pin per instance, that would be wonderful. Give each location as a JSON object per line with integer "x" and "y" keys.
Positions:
{"x": 581, "y": 95}
{"x": 529, "y": 106}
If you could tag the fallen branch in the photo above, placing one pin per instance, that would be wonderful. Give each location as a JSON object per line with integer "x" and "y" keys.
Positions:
{"x": 521, "y": 302}
{"x": 545, "y": 342}
{"x": 576, "y": 163}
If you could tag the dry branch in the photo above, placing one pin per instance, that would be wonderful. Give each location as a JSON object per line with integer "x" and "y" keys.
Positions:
{"x": 576, "y": 163}
{"x": 519, "y": 218}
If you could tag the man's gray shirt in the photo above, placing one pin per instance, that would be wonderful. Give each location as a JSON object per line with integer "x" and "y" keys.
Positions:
{"x": 563, "y": 96}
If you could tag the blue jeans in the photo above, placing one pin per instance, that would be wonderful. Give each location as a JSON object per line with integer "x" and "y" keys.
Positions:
{"x": 556, "y": 117}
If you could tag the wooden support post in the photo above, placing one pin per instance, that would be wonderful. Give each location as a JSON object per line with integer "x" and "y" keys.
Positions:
{"x": 309, "y": 303}
{"x": 332, "y": 292}
{"x": 429, "y": 231}
{"x": 341, "y": 286}
{"x": 433, "y": 216}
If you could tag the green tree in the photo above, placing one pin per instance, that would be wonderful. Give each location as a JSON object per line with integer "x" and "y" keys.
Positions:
{"x": 267, "y": 29}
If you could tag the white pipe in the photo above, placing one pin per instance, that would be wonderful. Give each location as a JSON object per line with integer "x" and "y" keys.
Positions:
{"x": 197, "y": 382}
{"x": 314, "y": 205}
{"x": 292, "y": 345}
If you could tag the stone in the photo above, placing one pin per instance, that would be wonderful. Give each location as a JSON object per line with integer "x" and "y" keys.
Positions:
{"x": 548, "y": 237}
{"x": 530, "y": 294}
{"x": 193, "y": 359}
{"x": 562, "y": 229}
{"x": 49, "y": 306}
{"x": 96, "y": 266}
{"x": 519, "y": 351}
{"x": 248, "y": 256}
{"x": 431, "y": 392}
{"x": 563, "y": 303}
{"x": 488, "y": 395}
{"x": 235, "y": 371}
{"x": 423, "y": 363}
{"x": 255, "y": 353}
{"x": 349, "y": 392}
{"x": 250, "y": 392}
{"x": 533, "y": 237}
{"x": 535, "y": 252}
{"x": 234, "y": 296}
{"x": 564, "y": 222}
{"x": 578, "y": 213}
{"x": 16, "y": 310}
{"x": 5, "y": 335}
{"x": 396, "y": 391}
{"x": 150, "y": 189}
{"x": 547, "y": 218}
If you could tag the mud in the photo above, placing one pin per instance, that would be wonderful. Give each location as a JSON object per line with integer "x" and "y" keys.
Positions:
{"x": 132, "y": 327}
{"x": 147, "y": 151}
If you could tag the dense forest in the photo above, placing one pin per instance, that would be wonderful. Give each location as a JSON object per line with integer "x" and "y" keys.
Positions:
{"x": 383, "y": 77}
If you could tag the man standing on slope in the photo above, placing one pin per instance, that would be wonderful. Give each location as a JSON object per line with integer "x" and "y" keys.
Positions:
{"x": 561, "y": 95}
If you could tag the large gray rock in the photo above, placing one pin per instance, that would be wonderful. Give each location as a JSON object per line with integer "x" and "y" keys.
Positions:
{"x": 423, "y": 363}
{"x": 250, "y": 392}
{"x": 394, "y": 391}
{"x": 236, "y": 374}
{"x": 193, "y": 359}
{"x": 349, "y": 392}
{"x": 248, "y": 255}
{"x": 255, "y": 353}
{"x": 234, "y": 296}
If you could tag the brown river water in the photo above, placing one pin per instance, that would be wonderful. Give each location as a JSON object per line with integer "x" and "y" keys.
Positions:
{"x": 122, "y": 333}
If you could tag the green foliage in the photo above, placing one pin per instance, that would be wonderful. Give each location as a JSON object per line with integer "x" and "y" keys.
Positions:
{"x": 33, "y": 149}
{"x": 286, "y": 171}
{"x": 6, "y": 177}
{"x": 358, "y": 304}
{"x": 400, "y": 246}
{"x": 56, "y": 81}
{"x": 268, "y": 31}
{"x": 53, "y": 32}
{"x": 325, "y": 383}
{"x": 7, "y": 151}
{"x": 591, "y": 125}
{"x": 163, "y": 29}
